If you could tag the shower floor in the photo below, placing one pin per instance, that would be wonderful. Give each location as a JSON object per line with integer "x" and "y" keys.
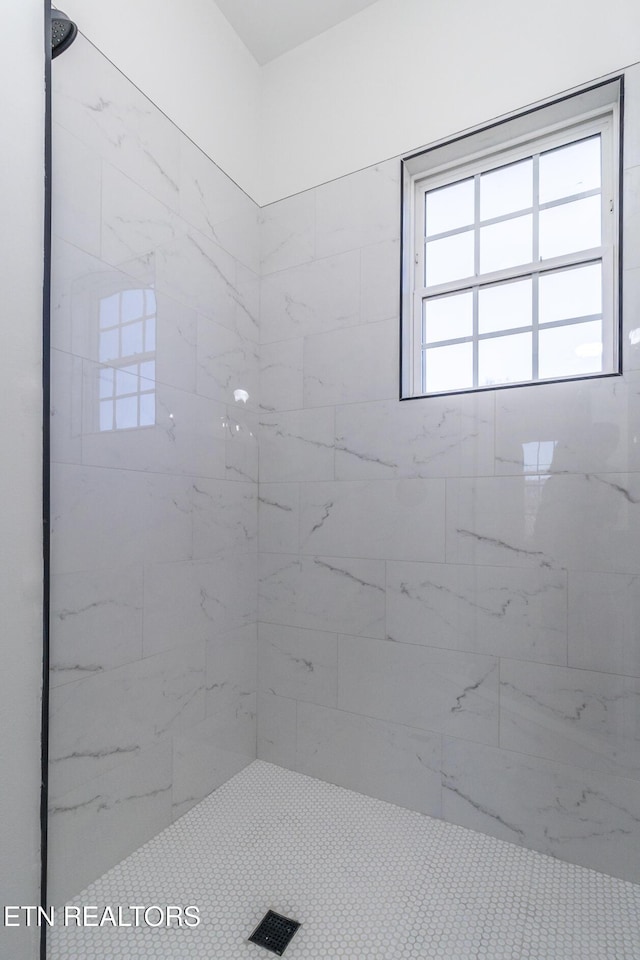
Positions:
{"x": 366, "y": 879}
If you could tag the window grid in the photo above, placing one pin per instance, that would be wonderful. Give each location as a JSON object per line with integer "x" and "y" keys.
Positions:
{"x": 532, "y": 269}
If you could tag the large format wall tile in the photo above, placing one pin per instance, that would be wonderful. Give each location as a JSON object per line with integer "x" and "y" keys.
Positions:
{"x": 408, "y": 519}
{"x": 439, "y": 690}
{"x": 385, "y": 760}
{"x": 604, "y": 622}
{"x": 281, "y": 375}
{"x": 586, "y": 818}
{"x": 578, "y": 717}
{"x": 501, "y": 611}
{"x": 279, "y": 517}
{"x": 287, "y": 232}
{"x": 359, "y": 209}
{"x": 323, "y": 593}
{"x": 297, "y": 446}
{"x": 351, "y": 364}
{"x": 298, "y": 663}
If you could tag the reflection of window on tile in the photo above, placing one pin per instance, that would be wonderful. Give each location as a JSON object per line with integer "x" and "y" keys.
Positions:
{"x": 126, "y": 387}
{"x": 537, "y": 456}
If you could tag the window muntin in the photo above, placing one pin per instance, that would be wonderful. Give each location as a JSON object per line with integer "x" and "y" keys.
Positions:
{"x": 513, "y": 263}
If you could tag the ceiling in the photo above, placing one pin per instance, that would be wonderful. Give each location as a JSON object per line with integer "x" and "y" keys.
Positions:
{"x": 271, "y": 27}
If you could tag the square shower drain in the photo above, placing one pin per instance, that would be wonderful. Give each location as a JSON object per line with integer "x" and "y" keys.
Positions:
{"x": 274, "y": 932}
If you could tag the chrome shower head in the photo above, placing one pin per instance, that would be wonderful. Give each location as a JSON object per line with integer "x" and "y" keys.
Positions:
{"x": 63, "y": 32}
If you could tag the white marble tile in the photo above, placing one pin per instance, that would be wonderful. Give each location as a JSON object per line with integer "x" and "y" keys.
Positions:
{"x": 358, "y": 209}
{"x": 630, "y": 219}
{"x": 297, "y": 445}
{"x": 76, "y": 188}
{"x": 93, "y": 826}
{"x": 323, "y": 593}
{"x": 632, "y": 113}
{"x": 200, "y": 766}
{"x": 438, "y": 437}
{"x": 442, "y": 691}
{"x": 216, "y": 206}
{"x": 96, "y": 622}
{"x": 225, "y": 518}
{"x": 176, "y": 344}
{"x": 631, "y": 319}
{"x": 66, "y": 407}
{"x": 242, "y": 453}
{"x": 98, "y": 723}
{"x": 188, "y": 435}
{"x": 311, "y": 298}
{"x": 499, "y": 611}
{"x": 278, "y": 517}
{"x": 578, "y": 717}
{"x": 604, "y": 622}
{"x": 103, "y": 519}
{"x": 277, "y": 730}
{"x": 384, "y": 519}
{"x": 247, "y": 309}
{"x": 384, "y": 760}
{"x": 287, "y": 232}
{"x": 586, "y": 427}
{"x": 194, "y": 601}
{"x": 589, "y": 522}
{"x": 587, "y": 818}
{"x": 133, "y": 222}
{"x": 380, "y": 281}
{"x": 297, "y": 663}
{"x": 115, "y": 120}
{"x": 351, "y": 365}
{"x": 281, "y": 375}
{"x": 226, "y": 362}
{"x": 232, "y": 680}
{"x": 77, "y": 282}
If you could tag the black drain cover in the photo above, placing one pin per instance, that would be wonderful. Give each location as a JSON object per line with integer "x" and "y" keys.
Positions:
{"x": 274, "y": 932}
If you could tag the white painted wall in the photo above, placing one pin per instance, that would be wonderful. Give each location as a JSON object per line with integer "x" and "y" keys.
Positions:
{"x": 21, "y": 273}
{"x": 403, "y": 73}
{"x": 190, "y": 62}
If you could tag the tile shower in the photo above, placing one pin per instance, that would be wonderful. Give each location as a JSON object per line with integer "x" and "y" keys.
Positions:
{"x": 258, "y": 551}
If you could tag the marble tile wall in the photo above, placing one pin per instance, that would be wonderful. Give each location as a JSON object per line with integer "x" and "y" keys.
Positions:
{"x": 449, "y": 595}
{"x": 154, "y": 473}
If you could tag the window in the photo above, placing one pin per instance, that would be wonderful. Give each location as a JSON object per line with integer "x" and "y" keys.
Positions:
{"x": 510, "y": 251}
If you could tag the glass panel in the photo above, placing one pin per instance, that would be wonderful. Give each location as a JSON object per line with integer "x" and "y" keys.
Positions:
{"x": 447, "y": 318}
{"x": 147, "y": 409}
{"x": 126, "y": 413}
{"x": 565, "y": 294}
{"x": 449, "y": 259}
{"x": 125, "y": 383}
{"x": 105, "y": 383}
{"x": 506, "y": 244}
{"x": 504, "y": 306}
{"x": 569, "y": 170}
{"x": 506, "y": 190}
{"x": 150, "y": 301}
{"x": 109, "y": 346}
{"x": 504, "y": 359}
{"x": 132, "y": 304}
{"x": 570, "y": 227}
{"x": 106, "y": 415}
{"x": 110, "y": 311}
{"x": 570, "y": 351}
{"x": 132, "y": 339}
{"x": 449, "y": 207}
{"x": 148, "y": 370}
{"x": 150, "y": 337}
{"x": 449, "y": 368}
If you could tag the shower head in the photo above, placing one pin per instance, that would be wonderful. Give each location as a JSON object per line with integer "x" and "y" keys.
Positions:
{"x": 63, "y": 32}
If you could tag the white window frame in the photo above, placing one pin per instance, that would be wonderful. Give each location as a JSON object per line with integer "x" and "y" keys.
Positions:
{"x": 594, "y": 111}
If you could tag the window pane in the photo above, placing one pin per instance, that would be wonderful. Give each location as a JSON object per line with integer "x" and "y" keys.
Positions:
{"x": 150, "y": 301}
{"x": 448, "y": 368}
{"x": 147, "y": 409}
{"x": 504, "y": 359}
{"x": 106, "y": 415}
{"x": 447, "y": 318}
{"x": 126, "y": 413}
{"x": 132, "y": 339}
{"x": 570, "y": 227}
{"x": 110, "y": 311}
{"x": 105, "y": 383}
{"x": 449, "y": 208}
{"x": 506, "y": 190}
{"x": 449, "y": 259}
{"x": 565, "y": 294}
{"x": 569, "y": 170}
{"x": 150, "y": 339}
{"x": 148, "y": 370}
{"x": 504, "y": 306}
{"x": 125, "y": 383}
{"x": 132, "y": 304}
{"x": 109, "y": 346}
{"x": 570, "y": 351}
{"x": 506, "y": 244}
